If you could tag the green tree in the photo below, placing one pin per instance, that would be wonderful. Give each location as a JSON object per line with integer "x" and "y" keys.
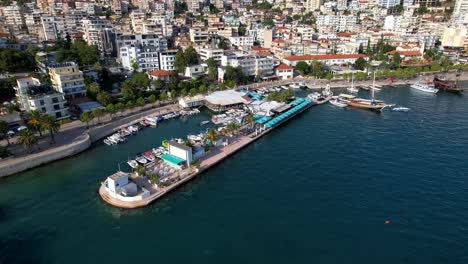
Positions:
{"x": 97, "y": 113}
{"x": 302, "y": 67}
{"x": 110, "y": 109}
{"x": 35, "y": 118}
{"x": 93, "y": 89}
{"x": 202, "y": 89}
{"x": 4, "y": 130}
{"x": 152, "y": 98}
{"x": 180, "y": 61}
{"x": 49, "y": 123}
{"x": 190, "y": 56}
{"x": 104, "y": 98}
{"x": 127, "y": 90}
{"x": 159, "y": 84}
{"x": 268, "y": 22}
{"x": 183, "y": 92}
{"x": 163, "y": 96}
{"x": 140, "y": 102}
{"x": 398, "y": 9}
{"x": 119, "y": 107}
{"x": 361, "y": 49}
{"x": 193, "y": 91}
{"x": 396, "y": 59}
{"x": 360, "y": 64}
{"x": 27, "y": 139}
{"x": 86, "y": 117}
{"x": 422, "y": 10}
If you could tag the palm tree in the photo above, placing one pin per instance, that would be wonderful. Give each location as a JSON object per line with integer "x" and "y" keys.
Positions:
{"x": 232, "y": 127}
{"x": 49, "y": 123}
{"x": 4, "y": 130}
{"x": 27, "y": 139}
{"x": 34, "y": 121}
{"x": 86, "y": 117}
{"x": 212, "y": 135}
{"x": 250, "y": 120}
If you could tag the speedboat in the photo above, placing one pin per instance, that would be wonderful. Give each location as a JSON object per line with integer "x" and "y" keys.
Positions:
{"x": 204, "y": 122}
{"x": 401, "y": 109}
{"x": 141, "y": 159}
{"x": 151, "y": 121}
{"x": 132, "y": 163}
{"x": 318, "y": 98}
{"x": 424, "y": 87}
{"x": 108, "y": 142}
{"x": 336, "y": 101}
{"x": 149, "y": 156}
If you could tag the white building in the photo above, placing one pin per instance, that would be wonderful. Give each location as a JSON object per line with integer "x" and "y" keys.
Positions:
{"x": 207, "y": 52}
{"x": 31, "y": 95}
{"x": 142, "y": 49}
{"x": 167, "y": 60}
{"x": 242, "y": 41}
{"x": 97, "y": 31}
{"x": 180, "y": 151}
{"x": 198, "y": 35}
{"x": 329, "y": 59}
{"x": 251, "y": 65}
{"x": 392, "y": 23}
{"x": 284, "y": 72}
{"x": 388, "y": 3}
{"x": 67, "y": 78}
{"x": 192, "y": 101}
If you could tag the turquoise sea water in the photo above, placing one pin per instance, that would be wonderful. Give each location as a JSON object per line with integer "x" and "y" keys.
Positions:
{"x": 316, "y": 190}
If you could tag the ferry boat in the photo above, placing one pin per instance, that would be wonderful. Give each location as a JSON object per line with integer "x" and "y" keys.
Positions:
{"x": 446, "y": 85}
{"x": 424, "y": 87}
{"x": 371, "y": 104}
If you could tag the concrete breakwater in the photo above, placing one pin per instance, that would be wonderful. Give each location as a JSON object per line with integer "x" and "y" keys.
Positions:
{"x": 12, "y": 166}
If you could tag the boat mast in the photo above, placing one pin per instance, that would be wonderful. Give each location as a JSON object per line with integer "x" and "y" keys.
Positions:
{"x": 373, "y": 87}
{"x": 352, "y": 80}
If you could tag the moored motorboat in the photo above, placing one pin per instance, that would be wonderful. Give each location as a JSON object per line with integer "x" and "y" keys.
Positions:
{"x": 337, "y": 101}
{"x": 141, "y": 159}
{"x": 321, "y": 98}
{"x": 132, "y": 163}
{"x": 149, "y": 156}
{"x": 424, "y": 87}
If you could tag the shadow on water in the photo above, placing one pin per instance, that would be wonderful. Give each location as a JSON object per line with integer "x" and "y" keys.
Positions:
{"x": 25, "y": 247}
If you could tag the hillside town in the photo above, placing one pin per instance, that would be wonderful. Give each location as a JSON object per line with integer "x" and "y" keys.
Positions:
{"x": 80, "y": 60}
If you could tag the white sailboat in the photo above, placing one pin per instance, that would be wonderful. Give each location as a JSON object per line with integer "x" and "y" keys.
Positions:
{"x": 352, "y": 89}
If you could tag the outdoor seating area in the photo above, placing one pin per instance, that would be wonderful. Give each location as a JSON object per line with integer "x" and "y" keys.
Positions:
{"x": 290, "y": 112}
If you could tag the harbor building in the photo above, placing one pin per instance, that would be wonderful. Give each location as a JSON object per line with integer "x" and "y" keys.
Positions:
{"x": 224, "y": 100}
{"x": 192, "y": 101}
{"x": 119, "y": 186}
{"x": 31, "y": 95}
{"x": 67, "y": 78}
{"x": 179, "y": 155}
{"x": 284, "y": 72}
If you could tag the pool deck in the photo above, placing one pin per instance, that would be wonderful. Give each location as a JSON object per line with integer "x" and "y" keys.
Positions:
{"x": 212, "y": 158}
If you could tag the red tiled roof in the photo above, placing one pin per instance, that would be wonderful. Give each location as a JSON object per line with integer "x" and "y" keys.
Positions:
{"x": 278, "y": 41}
{"x": 259, "y": 48}
{"x": 324, "y": 57}
{"x": 264, "y": 53}
{"x": 344, "y": 34}
{"x": 160, "y": 73}
{"x": 284, "y": 67}
{"x": 24, "y": 78}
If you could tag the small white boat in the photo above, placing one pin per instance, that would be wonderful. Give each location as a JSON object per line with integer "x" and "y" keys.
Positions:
{"x": 401, "y": 109}
{"x": 132, "y": 163}
{"x": 338, "y": 102}
{"x": 424, "y": 87}
{"x": 151, "y": 121}
{"x": 108, "y": 142}
{"x": 202, "y": 123}
{"x": 141, "y": 159}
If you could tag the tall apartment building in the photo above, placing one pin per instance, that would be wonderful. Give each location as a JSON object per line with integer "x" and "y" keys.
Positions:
{"x": 98, "y": 32}
{"x": 13, "y": 16}
{"x": 207, "y": 52}
{"x": 388, "y": 3}
{"x": 142, "y": 49}
{"x": 251, "y": 65}
{"x": 312, "y": 5}
{"x": 427, "y": 3}
{"x": 31, "y": 95}
{"x": 198, "y": 35}
{"x": 167, "y": 60}
{"x": 68, "y": 79}
{"x": 461, "y": 7}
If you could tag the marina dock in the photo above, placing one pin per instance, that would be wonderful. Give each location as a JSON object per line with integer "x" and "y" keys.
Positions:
{"x": 212, "y": 158}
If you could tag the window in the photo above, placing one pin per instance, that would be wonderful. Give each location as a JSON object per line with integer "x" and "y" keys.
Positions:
{"x": 41, "y": 102}
{"x": 43, "y": 109}
{"x": 56, "y": 107}
{"x": 58, "y": 114}
{"x": 55, "y": 100}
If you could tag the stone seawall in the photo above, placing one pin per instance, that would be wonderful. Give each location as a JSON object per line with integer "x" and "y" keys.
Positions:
{"x": 15, "y": 165}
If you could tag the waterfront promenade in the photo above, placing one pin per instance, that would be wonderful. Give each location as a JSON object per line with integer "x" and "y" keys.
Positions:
{"x": 71, "y": 140}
